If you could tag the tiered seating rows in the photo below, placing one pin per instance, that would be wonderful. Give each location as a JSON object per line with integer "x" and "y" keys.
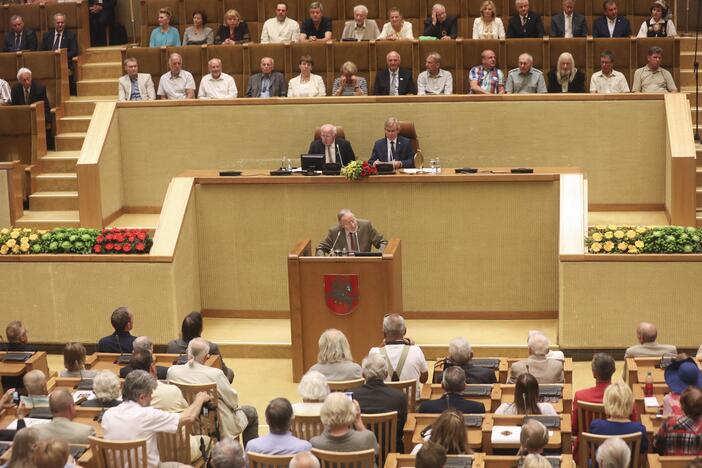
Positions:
{"x": 48, "y": 67}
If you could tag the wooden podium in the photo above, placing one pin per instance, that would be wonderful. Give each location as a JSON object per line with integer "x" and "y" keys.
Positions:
{"x": 352, "y": 294}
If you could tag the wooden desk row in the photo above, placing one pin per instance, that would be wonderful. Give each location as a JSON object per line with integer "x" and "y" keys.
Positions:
{"x": 502, "y": 371}
{"x": 636, "y": 370}
{"x": 479, "y": 460}
{"x": 16, "y": 369}
{"x": 108, "y": 361}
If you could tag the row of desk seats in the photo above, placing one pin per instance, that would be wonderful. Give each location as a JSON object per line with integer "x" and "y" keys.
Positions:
{"x": 458, "y": 57}
{"x": 22, "y": 133}
{"x": 40, "y": 18}
{"x": 504, "y": 364}
{"x": 636, "y": 369}
{"x": 477, "y": 460}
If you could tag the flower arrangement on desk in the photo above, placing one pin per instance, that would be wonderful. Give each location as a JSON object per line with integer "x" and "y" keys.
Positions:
{"x": 611, "y": 239}
{"x": 356, "y": 170}
{"x": 123, "y": 241}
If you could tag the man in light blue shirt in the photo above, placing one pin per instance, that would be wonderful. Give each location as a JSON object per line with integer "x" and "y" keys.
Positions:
{"x": 279, "y": 441}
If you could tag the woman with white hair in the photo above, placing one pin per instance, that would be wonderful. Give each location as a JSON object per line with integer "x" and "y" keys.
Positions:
{"x": 618, "y": 403}
{"x": 107, "y": 390}
{"x": 343, "y": 428}
{"x": 334, "y": 360}
{"x": 313, "y": 388}
{"x": 349, "y": 83}
{"x": 613, "y": 453}
{"x": 565, "y": 78}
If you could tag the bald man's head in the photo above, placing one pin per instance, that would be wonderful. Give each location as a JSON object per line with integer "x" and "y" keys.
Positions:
{"x": 646, "y": 332}
{"x": 61, "y": 403}
{"x": 35, "y": 382}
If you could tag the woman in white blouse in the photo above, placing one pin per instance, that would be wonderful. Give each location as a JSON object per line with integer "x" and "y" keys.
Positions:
{"x": 306, "y": 84}
{"x": 488, "y": 25}
{"x": 396, "y": 28}
{"x": 658, "y": 25}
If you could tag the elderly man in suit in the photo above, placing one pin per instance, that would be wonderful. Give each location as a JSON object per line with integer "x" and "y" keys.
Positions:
{"x": 335, "y": 149}
{"x": 393, "y": 148}
{"x": 394, "y": 81}
{"x": 358, "y": 235}
{"x": 135, "y": 86}
{"x": 545, "y": 370}
{"x": 646, "y": 334}
{"x": 611, "y": 24}
{"x": 62, "y": 426}
{"x": 234, "y": 419}
{"x": 568, "y": 23}
{"x": 267, "y": 83}
{"x": 61, "y": 38}
{"x": 27, "y": 91}
{"x": 18, "y": 37}
{"x": 525, "y": 23}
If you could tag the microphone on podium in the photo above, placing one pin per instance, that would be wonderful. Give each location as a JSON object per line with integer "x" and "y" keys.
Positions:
{"x": 331, "y": 250}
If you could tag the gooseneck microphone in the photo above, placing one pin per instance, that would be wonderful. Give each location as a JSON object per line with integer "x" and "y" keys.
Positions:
{"x": 331, "y": 250}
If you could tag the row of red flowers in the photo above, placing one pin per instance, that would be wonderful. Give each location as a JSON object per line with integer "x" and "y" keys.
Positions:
{"x": 123, "y": 241}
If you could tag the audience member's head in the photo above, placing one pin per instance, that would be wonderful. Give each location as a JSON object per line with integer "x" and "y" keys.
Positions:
{"x": 453, "y": 380}
{"x": 143, "y": 343}
{"x": 228, "y": 453}
{"x": 35, "y": 382}
{"x": 214, "y": 66}
{"x": 142, "y": 360}
{"x": 348, "y": 69}
{"x": 106, "y": 386}
{"x": 74, "y": 357}
{"x": 431, "y": 455}
{"x": 522, "y": 7}
{"x": 267, "y": 65}
{"x": 51, "y": 453}
{"x": 488, "y": 59}
{"x": 613, "y": 453}
{"x": 138, "y": 387}
{"x": 61, "y": 404}
{"x": 609, "y": 7}
{"x": 607, "y": 62}
{"x": 23, "y": 447}
{"x": 24, "y": 76}
{"x": 691, "y": 403}
{"x": 279, "y": 414}
{"x": 337, "y": 411}
{"x": 395, "y": 17}
{"x": 191, "y": 326}
{"x": 565, "y": 65}
{"x": 333, "y": 345}
{"x": 603, "y": 367}
{"x": 175, "y": 63}
{"x": 535, "y": 460}
{"x": 281, "y": 11}
{"x": 360, "y": 13}
{"x": 131, "y": 67}
{"x": 392, "y": 59}
{"x": 568, "y": 6}
{"x": 304, "y": 460}
{"x": 16, "y": 23}
{"x": 327, "y": 133}
{"x": 534, "y": 437}
{"x": 646, "y": 332}
{"x": 198, "y": 350}
{"x": 618, "y": 401}
{"x": 313, "y": 387}
{"x": 375, "y": 367}
{"x": 526, "y": 61}
{"x": 538, "y": 344}
{"x": 393, "y": 324}
{"x": 449, "y": 431}
{"x": 15, "y": 332}
{"x": 122, "y": 319}
{"x": 433, "y": 63}
{"x": 488, "y": 11}
{"x": 232, "y": 18}
{"x": 459, "y": 351}
{"x": 526, "y": 394}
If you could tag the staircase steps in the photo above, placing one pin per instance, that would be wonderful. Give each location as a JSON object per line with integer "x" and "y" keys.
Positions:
{"x": 102, "y": 70}
{"x": 98, "y": 87}
{"x": 57, "y": 182}
{"x": 54, "y": 201}
{"x": 60, "y": 161}
{"x": 75, "y": 124}
{"x": 70, "y": 141}
{"x": 48, "y": 219}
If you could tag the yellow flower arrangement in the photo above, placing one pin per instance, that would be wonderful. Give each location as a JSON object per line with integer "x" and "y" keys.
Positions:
{"x": 10, "y": 243}
{"x": 608, "y": 246}
{"x": 596, "y": 247}
{"x": 623, "y": 246}
{"x": 619, "y": 234}
{"x": 597, "y": 237}
{"x": 608, "y": 235}
{"x": 628, "y": 240}
{"x": 630, "y": 234}
{"x": 639, "y": 244}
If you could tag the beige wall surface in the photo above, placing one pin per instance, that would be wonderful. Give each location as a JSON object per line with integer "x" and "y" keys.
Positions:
{"x": 466, "y": 246}
{"x": 619, "y": 144}
{"x": 602, "y": 302}
{"x": 4, "y": 201}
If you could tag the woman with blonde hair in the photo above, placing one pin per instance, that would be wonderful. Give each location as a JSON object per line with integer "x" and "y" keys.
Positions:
{"x": 334, "y": 360}
{"x": 533, "y": 437}
{"x": 74, "y": 361}
{"x": 306, "y": 83}
{"x": 613, "y": 453}
{"x": 164, "y": 34}
{"x": 536, "y": 460}
{"x": 52, "y": 453}
{"x": 488, "y": 25}
{"x": 618, "y": 403}
{"x": 23, "y": 448}
{"x": 348, "y": 84}
{"x": 343, "y": 428}
{"x": 565, "y": 78}
{"x": 234, "y": 30}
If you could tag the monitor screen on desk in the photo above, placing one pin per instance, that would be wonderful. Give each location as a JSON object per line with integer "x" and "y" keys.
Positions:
{"x": 312, "y": 162}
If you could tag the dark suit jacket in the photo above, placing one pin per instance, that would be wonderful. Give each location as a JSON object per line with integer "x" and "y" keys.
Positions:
{"x": 278, "y": 85}
{"x": 160, "y": 372}
{"x": 575, "y": 86}
{"x": 367, "y": 237}
{"x": 447, "y": 28}
{"x": 474, "y": 375}
{"x": 403, "y": 151}
{"x": 343, "y": 150}
{"x": 37, "y": 92}
{"x": 558, "y": 25}
{"x": 376, "y": 397}
{"x": 405, "y": 85}
{"x": 451, "y": 400}
{"x": 68, "y": 41}
{"x": 241, "y": 33}
{"x": 28, "y": 41}
{"x": 107, "y": 5}
{"x": 533, "y": 27}
{"x": 621, "y": 27}
{"x": 110, "y": 343}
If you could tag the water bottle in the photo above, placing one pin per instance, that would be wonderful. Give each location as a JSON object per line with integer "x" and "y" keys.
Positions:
{"x": 437, "y": 166}
{"x": 288, "y": 165}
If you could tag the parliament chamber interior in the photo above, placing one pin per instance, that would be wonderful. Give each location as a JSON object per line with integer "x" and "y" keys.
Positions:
{"x": 201, "y": 279}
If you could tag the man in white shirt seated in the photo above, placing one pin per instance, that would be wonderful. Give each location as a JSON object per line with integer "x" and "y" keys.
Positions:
{"x": 434, "y": 80}
{"x": 63, "y": 409}
{"x": 608, "y": 80}
{"x": 216, "y": 84}
{"x": 177, "y": 83}
{"x": 280, "y": 29}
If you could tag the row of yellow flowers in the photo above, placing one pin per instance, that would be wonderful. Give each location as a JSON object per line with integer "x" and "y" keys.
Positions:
{"x": 18, "y": 240}
{"x": 616, "y": 239}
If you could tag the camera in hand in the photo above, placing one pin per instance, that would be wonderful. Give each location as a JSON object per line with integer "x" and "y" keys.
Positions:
{"x": 207, "y": 407}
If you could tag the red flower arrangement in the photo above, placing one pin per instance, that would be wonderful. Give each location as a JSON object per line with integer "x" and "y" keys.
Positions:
{"x": 123, "y": 241}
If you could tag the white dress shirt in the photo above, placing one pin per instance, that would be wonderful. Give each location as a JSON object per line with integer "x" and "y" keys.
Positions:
{"x": 223, "y": 87}
{"x": 173, "y": 87}
{"x": 614, "y": 83}
{"x": 568, "y": 21}
{"x": 5, "y": 96}
{"x": 275, "y": 32}
{"x": 441, "y": 83}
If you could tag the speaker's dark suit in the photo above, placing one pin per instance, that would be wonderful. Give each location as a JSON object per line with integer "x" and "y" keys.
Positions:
{"x": 451, "y": 400}
{"x": 533, "y": 27}
{"x": 405, "y": 82}
{"x": 403, "y": 151}
{"x": 27, "y": 41}
{"x": 68, "y": 42}
{"x": 343, "y": 150}
{"x": 37, "y": 92}
{"x": 601, "y": 29}
{"x": 558, "y": 25}
{"x": 367, "y": 237}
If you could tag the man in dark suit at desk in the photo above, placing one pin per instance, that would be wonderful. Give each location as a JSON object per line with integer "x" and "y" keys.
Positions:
{"x": 27, "y": 91}
{"x": 394, "y": 81}
{"x": 525, "y": 23}
{"x": 62, "y": 38}
{"x": 18, "y": 37}
{"x": 335, "y": 149}
{"x": 611, "y": 24}
{"x": 358, "y": 235}
{"x": 568, "y": 23}
{"x": 393, "y": 148}
{"x": 121, "y": 341}
{"x": 453, "y": 383}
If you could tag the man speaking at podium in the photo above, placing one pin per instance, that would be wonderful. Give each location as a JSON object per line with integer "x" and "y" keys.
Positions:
{"x": 351, "y": 235}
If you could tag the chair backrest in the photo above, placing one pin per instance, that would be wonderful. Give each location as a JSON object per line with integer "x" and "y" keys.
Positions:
{"x": 339, "y": 385}
{"x": 408, "y": 387}
{"x": 590, "y": 442}
{"x": 407, "y": 130}
{"x": 587, "y": 412}
{"x": 204, "y": 425}
{"x": 259, "y": 460}
{"x": 362, "y": 459}
{"x": 117, "y": 454}
{"x": 384, "y": 426}
{"x": 306, "y": 427}
{"x": 175, "y": 446}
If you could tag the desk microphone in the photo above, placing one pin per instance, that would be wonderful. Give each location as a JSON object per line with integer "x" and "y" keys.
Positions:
{"x": 338, "y": 153}
{"x": 331, "y": 251}
{"x": 355, "y": 235}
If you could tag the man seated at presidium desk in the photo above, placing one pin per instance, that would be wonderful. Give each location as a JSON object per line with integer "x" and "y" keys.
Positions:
{"x": 358, "y": 235}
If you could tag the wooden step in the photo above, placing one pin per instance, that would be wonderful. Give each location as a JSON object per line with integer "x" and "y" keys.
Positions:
{"x": 101, "y": 70}
{"x": 57, "y": 182}
{"x": 48, "y": 219}
{"x": 70, "y": 141}
{"x": 60, "y": 161}
{"x": 104, "y": 54}
{"x": 74, "y": 124}
{"x": 101, "y": 87}
{"x": 53, "y": 201}
{"x": 687, "y": 78}
{"x": 73, "y": 107}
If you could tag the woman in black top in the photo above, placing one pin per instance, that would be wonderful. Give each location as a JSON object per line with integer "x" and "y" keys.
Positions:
{"x": 234, "y": 30}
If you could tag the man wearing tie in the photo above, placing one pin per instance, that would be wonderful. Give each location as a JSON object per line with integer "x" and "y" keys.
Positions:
{"x": 568, "y": 23}
{"x": 352, "y": 235}
{"x": 27, "y": 92}
{"x": 525, "y": 23}
{"x": 611, "y": 24}
{"x": 394, "y": 81}
{"x": 61, "y": 38}
{"x": 393, "y": 148}
{"x": 335, "y": 149}
{"x": 18, "y": 37}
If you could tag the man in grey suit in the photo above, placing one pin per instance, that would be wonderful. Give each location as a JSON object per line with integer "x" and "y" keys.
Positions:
{"x": 267, "y": 83}
{"x": 646, "y": 334}
{"x": 135, "y": 86}
{"x": 568, "y": 23}
{"x": 358, "y": 235}
{"x": 62, "y": 426}
{"x": 546, "y": 371}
